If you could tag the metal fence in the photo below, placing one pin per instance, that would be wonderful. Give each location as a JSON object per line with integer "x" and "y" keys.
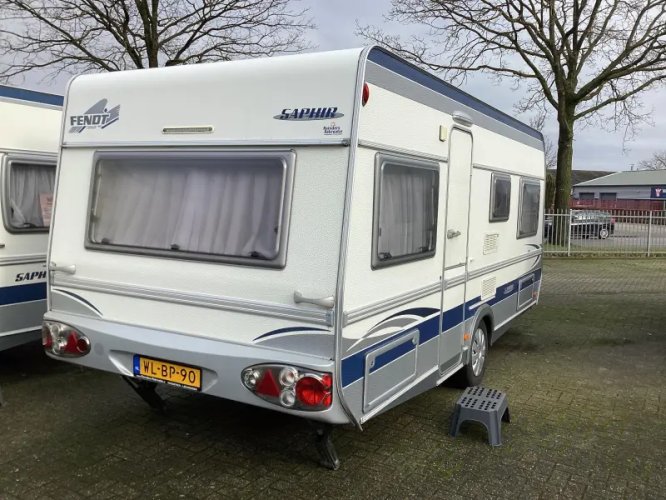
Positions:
{"x": 605, "y": 232}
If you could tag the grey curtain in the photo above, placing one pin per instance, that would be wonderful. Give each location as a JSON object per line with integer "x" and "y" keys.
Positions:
{"x": 214, "y": 206}
{"x": 529, "y": 219}
{"x": 407, "y": 211}
{"x": 28, "y": 185}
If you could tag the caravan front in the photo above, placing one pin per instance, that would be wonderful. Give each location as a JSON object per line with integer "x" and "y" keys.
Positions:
{"x": 29, "y": 136}
{"x": 324, "y": 235}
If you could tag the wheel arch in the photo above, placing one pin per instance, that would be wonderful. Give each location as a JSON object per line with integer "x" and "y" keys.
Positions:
{"x": 485, "y": 314}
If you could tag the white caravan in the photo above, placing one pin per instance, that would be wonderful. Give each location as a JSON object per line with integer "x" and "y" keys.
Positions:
{"x": 324, "y": 235}
{"x": 29, "y": 136}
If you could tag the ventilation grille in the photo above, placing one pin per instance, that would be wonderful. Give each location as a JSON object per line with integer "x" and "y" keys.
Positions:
{"x": 488, "y": 287}
{"x": 490, "y": 243}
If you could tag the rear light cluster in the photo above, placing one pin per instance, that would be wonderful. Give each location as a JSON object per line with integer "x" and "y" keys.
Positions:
{"x": 63, "y": 340}
{"x": 290, "y": 387}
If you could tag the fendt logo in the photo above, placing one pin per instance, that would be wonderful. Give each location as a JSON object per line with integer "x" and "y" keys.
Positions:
{"x": 98, "y": 116}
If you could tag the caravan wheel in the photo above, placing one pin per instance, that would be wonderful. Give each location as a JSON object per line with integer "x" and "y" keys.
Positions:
{"x": 472, "y": 373}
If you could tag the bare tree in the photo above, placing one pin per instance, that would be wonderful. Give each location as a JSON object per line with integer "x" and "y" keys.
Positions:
{"x": 110, "y": 35}
{"x": 538, "y": 122}
{"x": 657, "y": 162}
{"x": 587, "y": 59}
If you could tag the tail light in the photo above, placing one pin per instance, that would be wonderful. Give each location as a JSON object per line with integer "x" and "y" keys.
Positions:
{"x": 63, "y": 340}
{"x": 290, "y": 387}
{"x": 365, "y": 96}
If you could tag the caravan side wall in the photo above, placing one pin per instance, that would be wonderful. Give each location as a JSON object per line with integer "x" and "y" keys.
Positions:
{"x": 29, "y": 135}
{"x": 392, "y": 347}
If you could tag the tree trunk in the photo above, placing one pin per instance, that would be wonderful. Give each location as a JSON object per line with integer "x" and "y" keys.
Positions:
{"x": 564, "y": 159}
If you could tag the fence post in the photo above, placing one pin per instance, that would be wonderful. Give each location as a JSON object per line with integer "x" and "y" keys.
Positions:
{"x": 569, "y": 235}
{"x": 649, "y": 235}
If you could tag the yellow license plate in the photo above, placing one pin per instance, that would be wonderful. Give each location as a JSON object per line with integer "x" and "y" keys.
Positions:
{"x": 168, "y": 372}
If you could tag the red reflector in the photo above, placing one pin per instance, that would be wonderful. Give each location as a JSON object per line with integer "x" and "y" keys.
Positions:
{"x": 327, "y": 380}
{"x": 267, "y": 385}
{"x": 311, "y": 392}
{"x": 82, "y": 345}
{"x": 366, "y": 94}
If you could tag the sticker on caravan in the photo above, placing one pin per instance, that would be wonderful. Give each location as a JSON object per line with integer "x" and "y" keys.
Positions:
{"x": 98, "y": 116}
{"x": 332, "y": 129}
{"x": 303, "y": 114}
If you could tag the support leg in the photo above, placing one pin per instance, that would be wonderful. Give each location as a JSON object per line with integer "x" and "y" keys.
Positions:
{"x": 146, "y": 390}
{"x": 328, "y": 456}
{"x": 455, "y": 422}
{"x": 494, "y": 427}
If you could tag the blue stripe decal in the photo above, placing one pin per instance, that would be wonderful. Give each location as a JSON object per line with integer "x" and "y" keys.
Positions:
{"x": 417, "y": 311}
{"x": 22, "y": 293}
{"x": 416, "y": 74}
{"x": 353, "y": 367}
{"x": 31, "y": 96}
{"x": 386, "y": 357}
{"x": 290, "y": 329}
{"x": 452, "y": 317}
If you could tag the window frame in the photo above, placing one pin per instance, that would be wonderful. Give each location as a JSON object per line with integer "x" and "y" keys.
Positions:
{"x": 381, "y": 161}
{"x": 288, "y": 160}
{"x": 495, "y": 177}
{"x": 534, "y": 182}
{"x": 7, "y": 161}
{"x": 608, "y": 196}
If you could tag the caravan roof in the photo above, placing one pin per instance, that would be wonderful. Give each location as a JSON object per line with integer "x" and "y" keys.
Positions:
{"x": 229, "y": 102}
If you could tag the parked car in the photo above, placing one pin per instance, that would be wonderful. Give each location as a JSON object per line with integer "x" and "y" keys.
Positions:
{"x": 584, "y": 224}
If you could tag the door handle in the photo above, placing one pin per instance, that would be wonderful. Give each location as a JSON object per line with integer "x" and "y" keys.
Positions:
{"x": 452, "y": 233}
{"x": 2, "y": 245}
{"x": 325, "y": 302}
{"x": 71, "y": 269}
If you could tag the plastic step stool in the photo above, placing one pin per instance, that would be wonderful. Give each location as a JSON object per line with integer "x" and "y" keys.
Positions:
{"x": 486, "y": 406}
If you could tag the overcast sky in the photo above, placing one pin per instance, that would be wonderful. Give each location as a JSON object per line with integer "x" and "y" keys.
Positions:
{"x": 594, "y": 149}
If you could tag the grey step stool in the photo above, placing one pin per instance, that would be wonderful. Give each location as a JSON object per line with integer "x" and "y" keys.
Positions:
{"x": 487, "y": 406}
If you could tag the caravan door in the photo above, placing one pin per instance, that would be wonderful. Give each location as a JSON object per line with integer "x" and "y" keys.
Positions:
{"x": 455, "y": 250}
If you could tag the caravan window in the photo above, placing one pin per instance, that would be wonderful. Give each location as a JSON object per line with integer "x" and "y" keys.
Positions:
{"x": 500, "y": 197}
{"x": 228, "y": 207}
{"x": 530, "y": 198}
{"x": 29, "y": 194}
{"x": 405, "y": 216}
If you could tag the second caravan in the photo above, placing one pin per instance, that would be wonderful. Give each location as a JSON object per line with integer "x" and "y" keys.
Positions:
{"x": 325, "y": 235}
{"x": 29, "y": 136}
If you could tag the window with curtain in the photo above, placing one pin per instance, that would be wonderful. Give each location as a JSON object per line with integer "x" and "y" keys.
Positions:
{"x": 406, "y": 195}
{"x": 530, "y": 198}
{"x": 30, "y": 195}
{"x": 500, "y": 198}
{"x": 200, "y": 206}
